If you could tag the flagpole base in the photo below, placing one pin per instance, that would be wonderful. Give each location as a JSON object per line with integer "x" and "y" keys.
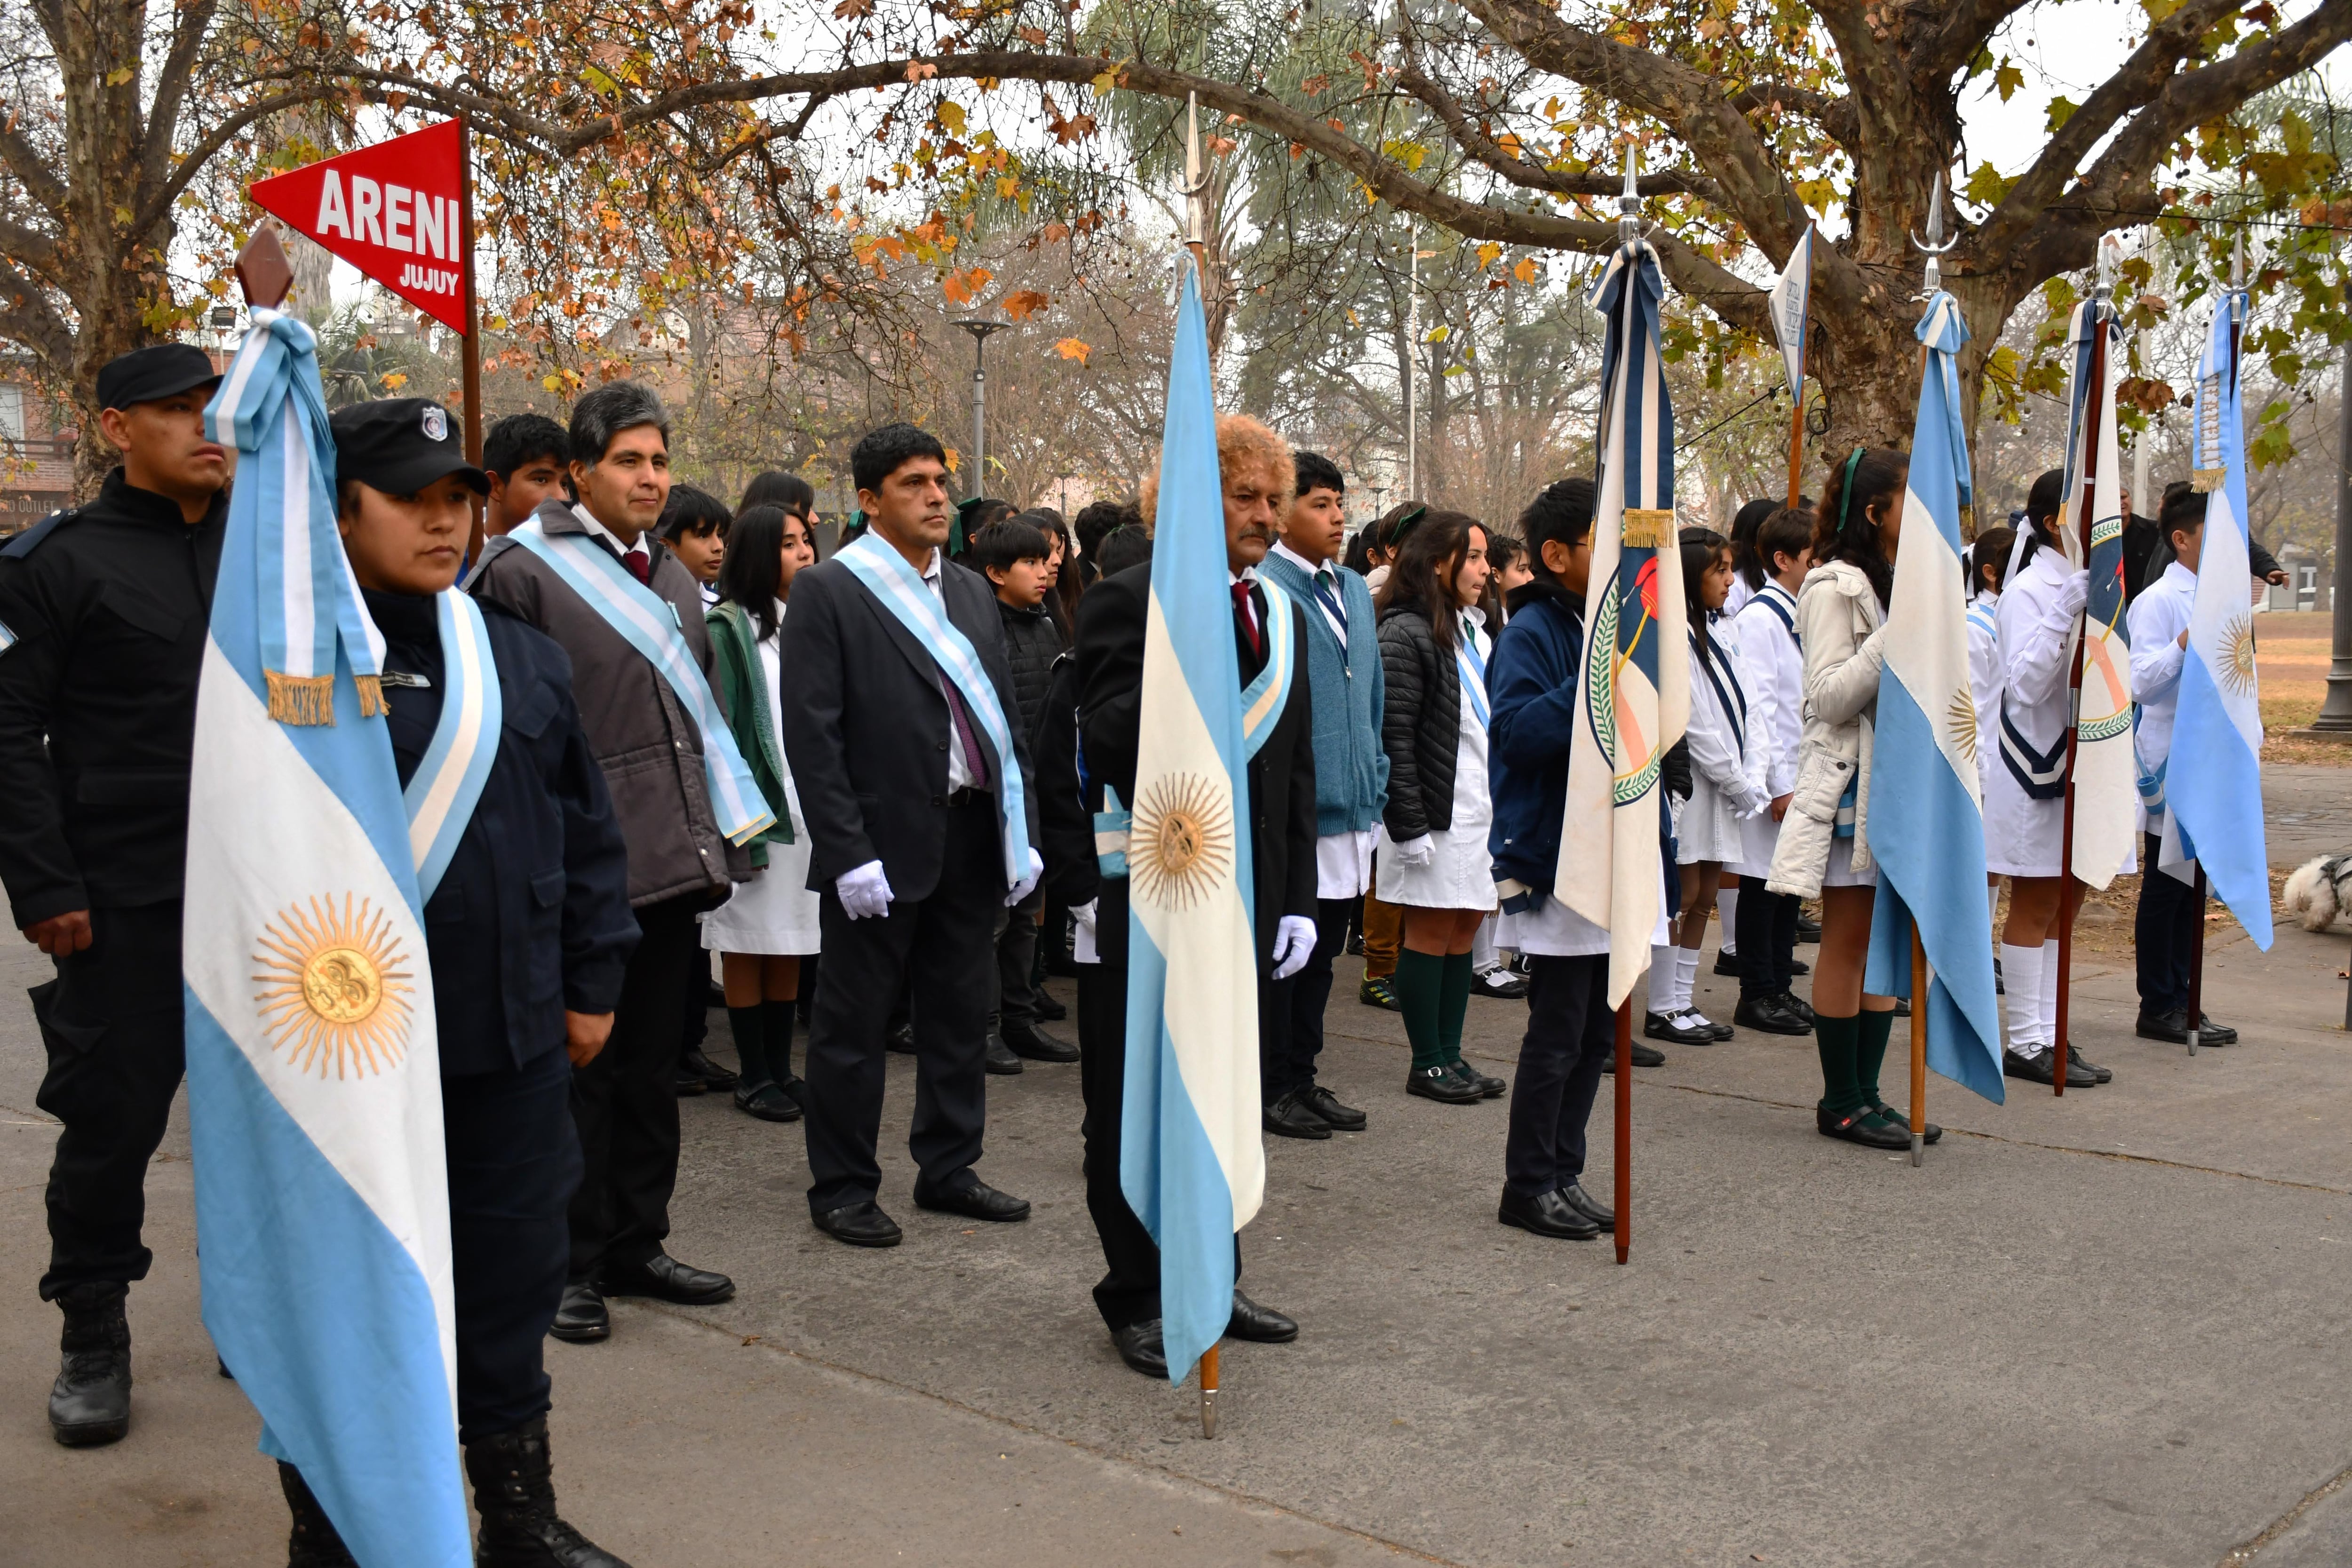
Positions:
{"x": 1918, "y": 1148}
{"x": 1209, "y": 1393}
{"x": 2193, "y": 1032}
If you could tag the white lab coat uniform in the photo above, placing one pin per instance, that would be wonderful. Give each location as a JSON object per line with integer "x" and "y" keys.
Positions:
{"x": 1727, "y": 759}
{"x": 2157, "y": 618}
{"x": 1774, "y": 669}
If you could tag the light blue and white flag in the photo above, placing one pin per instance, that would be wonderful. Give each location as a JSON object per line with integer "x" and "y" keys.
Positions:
{"x": 2105, "y": 767}
{"x": 1636, "y": 638}
{"x": 314, "y": 1089}
{"x": 1791, "y": 295}
{"x": 449, "y": 779}
{"x": 2213, "y": 782}
{"x": 1191, "y": 1161}
{"x": 1927, "y": 807}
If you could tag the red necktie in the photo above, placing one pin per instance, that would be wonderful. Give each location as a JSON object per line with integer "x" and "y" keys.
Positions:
{"x": 1249, "y": 623}
{"x": 639, "y": 563}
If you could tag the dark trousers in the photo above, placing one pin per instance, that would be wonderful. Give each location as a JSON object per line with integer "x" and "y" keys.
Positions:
{"x": 1016, "y": 962}
{"x": 625, "y": 1102}
{"x": 1130, "y": 1289}
{"x": 113, "y": 1024}
{"x": 942, "y": 951}
{"x": 2164, "y": 932}
{"x": 514, "y": 1164}
{"x": 1291, "y": 1011}
{"x": 1766, "y": 940}
{"x": 1571, "y": 1032}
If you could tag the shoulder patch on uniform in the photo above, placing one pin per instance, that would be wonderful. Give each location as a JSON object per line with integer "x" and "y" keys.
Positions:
{"x": 28, "y": 540}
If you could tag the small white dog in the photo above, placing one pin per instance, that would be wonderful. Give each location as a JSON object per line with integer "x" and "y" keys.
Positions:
{"x": 2320, "y": 891}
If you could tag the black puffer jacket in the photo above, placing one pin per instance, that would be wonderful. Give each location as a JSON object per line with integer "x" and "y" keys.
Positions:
{"x": 1032, "y": 643}
{"x": 1421, "y": 724}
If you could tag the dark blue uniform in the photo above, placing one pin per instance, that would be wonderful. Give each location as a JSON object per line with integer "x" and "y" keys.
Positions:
{"x": 532, "y": 918}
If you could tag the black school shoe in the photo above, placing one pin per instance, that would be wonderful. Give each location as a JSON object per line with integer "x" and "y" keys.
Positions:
{"x": 1861, "y": 1125}
{"x": 1548, "y": 1214}
{"x": 714, "y": 1078}
{"x": 1032, "y": 1044}
{"x": 1767, "y": 1016}
{"x": 1000, "y": 1059}
{"x": 1324, "y": 1104}
{"x": 1488, "y": 1088}
{"x": 1288, "y": 1117}
{"x": 1438, "y": 1083}
{"x": 1658, "y": 1026}
{"x": 1808, "y": 930}
{"x": 2039, "y": 1068}
{"x": 1500, "y": 984}
{"x": 1889, "y": 1114}
{"x": 1644, "y": 1057}
{"x": 1727, "y": 965}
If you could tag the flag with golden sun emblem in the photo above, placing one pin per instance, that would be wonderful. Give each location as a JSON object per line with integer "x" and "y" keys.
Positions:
{"x": 314, "y": 1091}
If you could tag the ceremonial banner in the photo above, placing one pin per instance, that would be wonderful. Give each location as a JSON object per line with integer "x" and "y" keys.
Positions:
{"x": 314, "y": 1089}
{"x": 1789, "y": 295}
{"x": 2214, "y": 784}
{"x": 1927, "y": 808}
{"x": 395, "y": 210}
{"x": 1192, "y": 1162}
{"x": 2106, "y": 770}
{"x": 1636, "y": 640}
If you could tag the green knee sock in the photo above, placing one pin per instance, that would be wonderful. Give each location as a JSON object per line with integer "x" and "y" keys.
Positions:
{"x": 780, "y": 1016}
{"x": 1870, "y": 1052}
{"x": 1420, "y": 981}
{"x": 1836, "y": 1039}
{"x": 750, "y": 1028}
{"x": 1452, "y": 1002}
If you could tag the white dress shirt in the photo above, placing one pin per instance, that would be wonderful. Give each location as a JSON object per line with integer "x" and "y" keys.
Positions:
{"x": 1325, "y": 572}
{"x": 959, "y": 769}
{"x": 597, "y": 529}
{"x": 1774, "y": 668}
{"x": 2156, "y": 620}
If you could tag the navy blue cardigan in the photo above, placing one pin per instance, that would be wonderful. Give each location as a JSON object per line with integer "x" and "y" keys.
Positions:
{"x": 1531, "y": 690}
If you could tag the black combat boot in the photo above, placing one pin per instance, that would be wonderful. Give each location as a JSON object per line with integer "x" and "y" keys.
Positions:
{"x": 514, "y": 1491}
{"x": 312, "y": 1544}
{"x": 91, "y": 1402}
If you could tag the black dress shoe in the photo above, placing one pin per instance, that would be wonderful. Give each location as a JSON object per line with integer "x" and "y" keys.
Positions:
{"x": 1808, "y": 930}
{"x": 1721, "y": 1031}
{"x": 1798, "y": 1004}
{"x": 714, "y": 1077}
{"x": 1728, "y": 964}
{"x": 2098, "y": 1074}
{"x": 1592, "y": 1208}
{"x": 1259, "y": 1325}
{"x": 580, "y": 1318}
{"x": 900, "y": 1039}
{"x": 1028, "y": 1041}
{"x": 90, "y": 1404}
{"x": 1887, "y": 1113}
{"x": 1548, "y": 1214}
{"x": 1324, "y": 1104}
{"x": 974, "y": 1199}
{"x": 2212, "y": 1033}
{"x": 1488, "y": 1086}
{"x": 1000, "y": 1059}
{"x": 1049, "y": 1008}
{"x": 1658, "y": 1026}
{"x": 1766, "y": 1016}
{"x": 1861, "y": 1125}
{"x": 768, "y": 1102}
{"x": 514, "y": 1491}
{"x": 859, "y": 1225}
{"x": 1438, "y": 1083}
{"x": 2172, "y": 1025}
{"x": 1139, "y": 1345}
{"x": 2040, "y": 1068}
{"x": 690, "y": 1084}
{"x": 1644, "y": 1057}
{"x": 1355, "y": 945}
{"x": 663, "y": 1278}
{"x": 1500, "y": 984}
{"x": 1288, "y": 1117}
{"x": 1798, "y": 966}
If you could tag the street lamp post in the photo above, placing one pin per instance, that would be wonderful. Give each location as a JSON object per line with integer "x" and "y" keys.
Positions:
{"x": 2335, "y": 720}
{"x": 980, "y": 331}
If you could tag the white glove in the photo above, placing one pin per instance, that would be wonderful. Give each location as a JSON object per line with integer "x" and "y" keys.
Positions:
{"x": 1028, "y": 884}
{"x": 1084, "y": 914}
{"x": 864, "y": 892}
{"x": 2075, "y": 593}
{"x": 1418, "y": 851}
{"x": 1293, "y": 944}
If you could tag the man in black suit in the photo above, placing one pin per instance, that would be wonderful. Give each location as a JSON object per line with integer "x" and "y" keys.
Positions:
{"x": 1257, "y": 474}
{"x": 904, "y": 792}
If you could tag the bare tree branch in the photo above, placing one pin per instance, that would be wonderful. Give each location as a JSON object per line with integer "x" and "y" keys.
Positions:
{"x": 190, "y": 27}
{"x": 158, "y": 205}
{"x": 1525, "y": 172}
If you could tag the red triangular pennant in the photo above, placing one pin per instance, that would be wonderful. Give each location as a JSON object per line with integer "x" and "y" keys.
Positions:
{"x": 392, "y": 211}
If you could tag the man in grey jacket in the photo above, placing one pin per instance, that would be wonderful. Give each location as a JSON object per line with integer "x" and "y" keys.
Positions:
{"x": 681, "y": 863}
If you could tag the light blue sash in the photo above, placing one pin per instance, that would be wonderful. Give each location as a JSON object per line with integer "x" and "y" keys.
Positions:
{"x": 1474, "y": 669}
{"x": 2149, "y": 782}
{"x": 649, "y": 623}
{"x": 1263, "y": 699}
{"x": 448, "y": 785}
{"x": 886, "y": 576}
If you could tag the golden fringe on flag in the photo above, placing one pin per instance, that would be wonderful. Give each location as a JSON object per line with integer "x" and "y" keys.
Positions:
{"x": 2205, "y": 482}
{"x": 311, "y": 698}
{"x": 1648, "y": 528}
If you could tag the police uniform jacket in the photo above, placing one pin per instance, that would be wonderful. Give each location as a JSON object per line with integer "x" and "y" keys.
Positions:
{"x": 106, "y": 610}
{"x": 532, "y": 916}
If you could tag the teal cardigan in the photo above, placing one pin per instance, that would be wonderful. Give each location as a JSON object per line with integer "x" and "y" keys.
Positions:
{"x": 743, "y": 694}
{"x": 1351, "y": 771}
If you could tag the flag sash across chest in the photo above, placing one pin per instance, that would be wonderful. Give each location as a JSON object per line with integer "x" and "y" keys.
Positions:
{"x": 649, "y": 623}
{"x": 1636, "y": 660}
{"x": 323, "y": 1214}
{"x": 2213, "y": 777}
{"x": 448, "y": 782}
{"x": 1191, "y": 1161}
{"x": 2105, "y": 770}
{"x": 1927, "y": 807}
{"x": 887, "y": 574}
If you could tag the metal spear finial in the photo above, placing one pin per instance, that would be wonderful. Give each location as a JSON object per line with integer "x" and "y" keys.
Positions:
{"x": 1629, "y": 206}
{"x": 1935, "y": 245}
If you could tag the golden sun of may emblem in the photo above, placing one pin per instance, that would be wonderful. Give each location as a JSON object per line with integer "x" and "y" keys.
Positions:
{"x": 334, "y": 996}
{"x": 1181, "y": 847}
{"x": 2237, "y": 671}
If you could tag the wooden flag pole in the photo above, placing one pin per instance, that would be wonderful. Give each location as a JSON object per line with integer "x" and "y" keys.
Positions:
{"x": 1918, "y": 1047}
{"x": 2196, "y": 963}
{"x": 2061, "y": 1050}
{"x": 472, "y": 352}
{"x": 1624, "y": 1127}
{"x": 1209, "y": 1372}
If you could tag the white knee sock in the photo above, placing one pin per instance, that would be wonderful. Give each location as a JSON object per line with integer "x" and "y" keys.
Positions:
{"x": 1686, "y": 976}
{"x": 2021, "y": 1004}
{"x": 1726, "y": 909}
{"x": 2050, "y": 992}
{"x": 1662, "y": 979}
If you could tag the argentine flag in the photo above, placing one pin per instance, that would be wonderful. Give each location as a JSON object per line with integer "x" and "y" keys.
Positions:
{"x": 2213, "y": 785}
{"x": 1636, "y": 697}
{"x": 1927, "y": 811}
{"x": 2105, "y": 768}
{"x": 1191, "y": 1162}
{"x": 314, "y": 1090}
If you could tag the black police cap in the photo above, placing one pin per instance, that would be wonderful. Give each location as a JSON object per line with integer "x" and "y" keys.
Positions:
{"x": 152, "y": 373}
{"x": 400, "y": 445}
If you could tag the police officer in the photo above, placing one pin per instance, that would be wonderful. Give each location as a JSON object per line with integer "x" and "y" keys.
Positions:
{"x": 528, "y": 933}
{"x": 103, "y": 615}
